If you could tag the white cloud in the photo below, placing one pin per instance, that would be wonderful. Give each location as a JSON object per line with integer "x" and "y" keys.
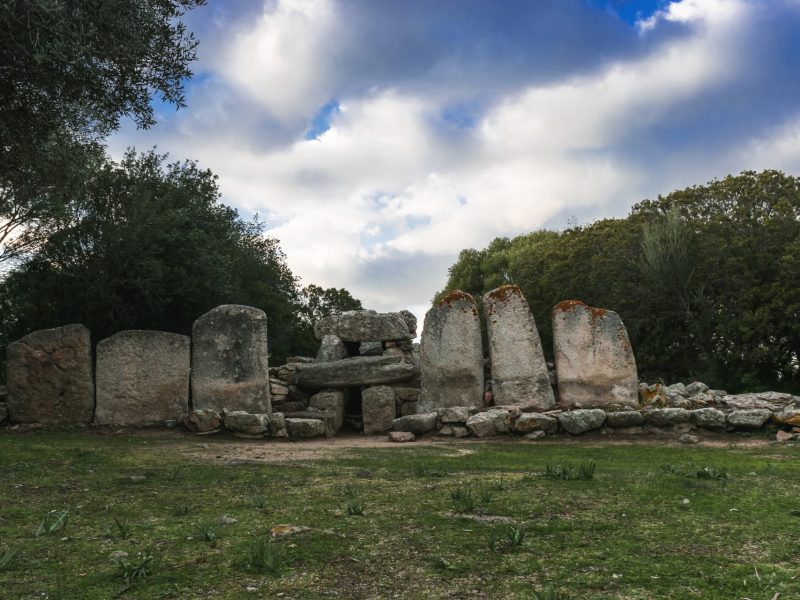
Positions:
{"x": 383, "y": 201}
{"x": 284, "y": 60}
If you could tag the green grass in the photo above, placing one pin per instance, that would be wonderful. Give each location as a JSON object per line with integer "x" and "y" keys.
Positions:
{"x": 654, "y": 521}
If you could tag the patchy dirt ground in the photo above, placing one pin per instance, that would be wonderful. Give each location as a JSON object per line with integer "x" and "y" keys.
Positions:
{"x": 227, "y": 449}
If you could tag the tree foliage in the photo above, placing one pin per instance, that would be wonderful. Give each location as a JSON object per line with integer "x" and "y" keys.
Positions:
{"x": 706, "y": 279}
{"x": 149, "y": 246}
{"x": 69, "y": 71}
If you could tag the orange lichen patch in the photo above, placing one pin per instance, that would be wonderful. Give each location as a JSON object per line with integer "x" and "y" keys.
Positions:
{"x": 656, "y": 396}
{"x": 504, "y": 291}
{"x": 573, "y": 304}
{"x": 455, "y": 296}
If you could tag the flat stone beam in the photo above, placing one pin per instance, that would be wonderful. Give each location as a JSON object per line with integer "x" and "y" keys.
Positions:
{"x": 364, "y": 326}
{"x": 357, "y": 370}
{"x": 519, "y": 371}
{"x": 451, "y": 355}
{"x": 49, "y": 376}
{"x": 142, "y": 377}
{"x": 595, "y": 366}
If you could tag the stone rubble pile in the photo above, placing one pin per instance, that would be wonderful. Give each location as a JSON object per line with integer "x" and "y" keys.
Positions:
{"x": 369, "y": 376}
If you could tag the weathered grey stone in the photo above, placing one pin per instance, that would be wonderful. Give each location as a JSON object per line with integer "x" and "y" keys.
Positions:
{"x": 401, "y": 436}
{"x": 749, "y": 418}
{"x": 331, "y": 349}
{"x": 305, "y": 428}
{"x": 290, "y": 406}
{"x": 528, "y": 422}
{"x": 3, "y": 412}
{"x": 595, "y": 365}
{"x": 677, "y": 388}
{"x": 519, "y": 371}
{"x": 581, "y": 420}
{"x": 204, "y": 420}
{"x": 330, "y": 400}
{"x": 453, "y": 414}
{"x": 688, "y": 438}
{"x": 536, "y": 435}
{"x": 353, "y": 371}
{"x": 417, "y": 424}
{"x": 326, "y": 416}
{"x": 142, "y": 377}
{"x": 49, "y": 377}
{"x": 363, "y": 326}
{"x": 451, "y": 357}
{"x": 277, "y": 425}
{"x": 378, "y": 409}
{"x": 229, "y": 360}
{"x": 695, "y": 388}
{"x": 410, "y": 321}
{"x": 460, "y": 432}
{"x": 709, "y": 418}
{"x": 490, "y": 422}
{"x": 372, "y": 349}
{"x": 774, "y": 401}
{"x": 667, "y": 417}
{"x": 279, "y": 390}
{"x": 245, "y": 422}
{"x": 789, "y": 416}
{"x": 624, "y": 418}
{"x": 702, "y": 400}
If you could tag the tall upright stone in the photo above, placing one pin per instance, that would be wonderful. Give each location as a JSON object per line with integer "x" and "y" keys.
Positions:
{"x": 451, "y": 355}
{"x": 595, "y": 366}
{"x": 49, "y": 376}
{"x": 229, "y": 360}
{"x": 142, "y": 377}
{"x": 519, "y": 370}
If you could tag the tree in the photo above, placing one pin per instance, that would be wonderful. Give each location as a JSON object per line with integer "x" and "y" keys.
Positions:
{"x": 70, "y": 70}
{"x": 706, "y": 279}
{"x": 149, "y": 246}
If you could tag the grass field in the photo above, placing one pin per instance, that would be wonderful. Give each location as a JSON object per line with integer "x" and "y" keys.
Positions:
{"x": 465, "y": 520}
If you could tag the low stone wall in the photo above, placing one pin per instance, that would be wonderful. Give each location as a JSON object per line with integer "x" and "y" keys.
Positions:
{"x": 369, "y": 376}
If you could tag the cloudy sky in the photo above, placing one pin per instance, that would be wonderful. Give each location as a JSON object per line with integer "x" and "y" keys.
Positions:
{"x": 378, "y": 138}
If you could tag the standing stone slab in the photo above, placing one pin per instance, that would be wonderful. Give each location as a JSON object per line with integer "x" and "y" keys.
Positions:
{"x": 142, "y": 377}
{"x": 330, "y": 400}
{"x": 378, "y": 409}
{"x": 330, "y": 349}
{"x": 49, "y": 376}
{"x": 229, "y": 360}
{"x": 451, "y": 355}
{"x": 519, "y": 371}
{"x": 595, "y": 366}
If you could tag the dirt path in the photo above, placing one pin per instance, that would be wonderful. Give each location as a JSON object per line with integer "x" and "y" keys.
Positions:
{"x": 231, "y": 450}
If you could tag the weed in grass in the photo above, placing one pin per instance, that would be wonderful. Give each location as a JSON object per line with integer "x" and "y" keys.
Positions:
{"x": 565, "y": 472}
{"x": 549, "y": 593}
{"x": 442, "y": 564}
{"x": 500, "y": 484}
{"x": 485, "y": 495}
{"x": 355, "y": 508}
{"x": 464, "y": 501}
{"x": 8, "y": 559}
{"x": 181, "y": 510}
{"x": 137, "y": 569}
{"x": 712, "y": 473}
{"x": 349, "y": 490}
{"x": 206, "y": 531}
{"x": 122, "y": 528}
{"x": 175, "y": 472}
{"x": 262, "y": 556}
{"x": 52, "y": 522}
{"x": 260, "y": 502}
{"x": 507, "y": 539}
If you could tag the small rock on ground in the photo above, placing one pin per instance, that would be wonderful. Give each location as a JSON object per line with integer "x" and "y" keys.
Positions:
{"x": 401, "y": 436}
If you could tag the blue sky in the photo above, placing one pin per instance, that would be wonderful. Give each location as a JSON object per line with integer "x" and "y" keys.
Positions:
{"x": 378, "y": 138}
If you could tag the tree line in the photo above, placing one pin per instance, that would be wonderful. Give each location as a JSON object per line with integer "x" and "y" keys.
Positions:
{"x": 706, "y": 279}
{"x": 139, "y": 243}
